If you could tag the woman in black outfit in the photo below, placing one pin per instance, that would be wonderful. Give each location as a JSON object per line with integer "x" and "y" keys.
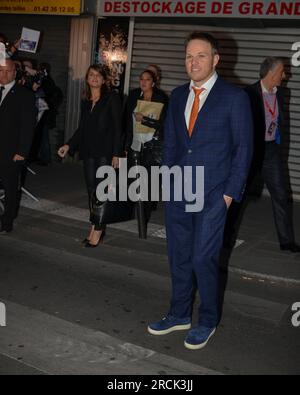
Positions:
{"x": 98, "y": 137}
{"x": 141, "y": 145}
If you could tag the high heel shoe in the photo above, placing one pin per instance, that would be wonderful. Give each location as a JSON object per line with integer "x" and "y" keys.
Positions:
{"x": 100, "y": 241}
{"x": 87, "y": 239}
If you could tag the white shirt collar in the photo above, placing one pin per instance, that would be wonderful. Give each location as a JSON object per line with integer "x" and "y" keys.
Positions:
{"x": 10, "y": 85}
{"x": 265, "y": 90}
{"x": 208, "y": 84}
{"x": 7, "y": 89}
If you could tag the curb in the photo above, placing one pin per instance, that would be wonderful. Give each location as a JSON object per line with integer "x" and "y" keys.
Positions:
{"x": 261, "y": 276}
{"x": 156, "y": 232}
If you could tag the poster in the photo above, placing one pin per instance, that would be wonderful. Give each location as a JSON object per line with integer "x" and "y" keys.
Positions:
{"x": 29, "y": 40}
{"x": 111, "y": 49}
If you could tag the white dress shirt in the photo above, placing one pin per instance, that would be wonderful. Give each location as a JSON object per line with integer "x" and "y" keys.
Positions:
{"x": 269, "y": 98}
{"x": 6, "y": 90}
{"x": 203, "y": 96}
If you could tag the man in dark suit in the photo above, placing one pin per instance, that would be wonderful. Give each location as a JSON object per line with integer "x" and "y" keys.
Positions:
{"x": 208, "y": 124}
{"x": 267, "y": 102}
{"x": 17, "y": 122}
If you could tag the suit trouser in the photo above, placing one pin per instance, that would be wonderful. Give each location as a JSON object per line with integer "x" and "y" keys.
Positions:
{"x": 194, "y": 244}
{"x": 273, "y": 176}
{"x": 10, "y": 173}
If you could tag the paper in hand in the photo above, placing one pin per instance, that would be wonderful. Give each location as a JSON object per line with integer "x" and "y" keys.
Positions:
{"x": 150, "y": 110}
{"x": 29, "y": 40}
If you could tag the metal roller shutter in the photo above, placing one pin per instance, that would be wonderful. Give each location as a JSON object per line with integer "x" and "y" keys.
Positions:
{"x": 242, "y": 51}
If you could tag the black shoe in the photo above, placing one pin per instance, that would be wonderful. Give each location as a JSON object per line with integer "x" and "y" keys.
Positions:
{"x": 293, "y": 247}
{"x": 100, "y": 241}
{"x": 89, "y": 245}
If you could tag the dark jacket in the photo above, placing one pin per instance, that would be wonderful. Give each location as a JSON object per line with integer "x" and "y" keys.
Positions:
{"x": 105, "y": 138}
{"x": 258, "y": 112}
{"x": 54, "y": 98}
{"x": 221, "y": 141}
{"x": 17, "y": 123}
{"x": 135, "y": 95}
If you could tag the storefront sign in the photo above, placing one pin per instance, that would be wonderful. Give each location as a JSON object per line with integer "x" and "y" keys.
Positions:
{"x": 187, "y": 8}
{"x": 50, "y": 7}
{"x": 112, "y": 43}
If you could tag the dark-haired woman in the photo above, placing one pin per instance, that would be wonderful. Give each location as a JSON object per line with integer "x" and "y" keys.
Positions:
{"x": 142, "y": 145}
{"x": 98, "y": 138}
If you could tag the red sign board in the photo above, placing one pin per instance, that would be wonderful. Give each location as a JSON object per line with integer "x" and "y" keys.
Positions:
{"x": 176, "y": 8}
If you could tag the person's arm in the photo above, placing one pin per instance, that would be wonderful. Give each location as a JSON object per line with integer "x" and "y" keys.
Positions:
{"x": 242, "y": 136}
{"x": 116, "y": 125}
{"x": 156, "y": 124}
{"x": 12, "y": 52}
{"x": 130, "y": 105}
{"x": 73, "y": 144}
{"x": 75, "y": 140}
{"x": 151, "y": 123}
{"x": 169, "y": 147}
{"x": 163, "y": 119}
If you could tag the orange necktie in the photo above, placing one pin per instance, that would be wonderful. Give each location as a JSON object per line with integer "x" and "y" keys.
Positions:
{"x": 195, "y": 109}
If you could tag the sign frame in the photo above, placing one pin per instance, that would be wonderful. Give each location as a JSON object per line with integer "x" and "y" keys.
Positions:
{"x": 263, "y": 9}
{"x": 42, "y": 7}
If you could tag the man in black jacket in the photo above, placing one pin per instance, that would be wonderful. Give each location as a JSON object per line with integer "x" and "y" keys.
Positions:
{"x": 267, "y": 102}
{"x": 17, "y": 122}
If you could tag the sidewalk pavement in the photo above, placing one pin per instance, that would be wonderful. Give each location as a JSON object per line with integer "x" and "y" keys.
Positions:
{"x": 257, "y": 254}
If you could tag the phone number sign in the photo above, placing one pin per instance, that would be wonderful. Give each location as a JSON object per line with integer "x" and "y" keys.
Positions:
{"x": 50, "y": 7}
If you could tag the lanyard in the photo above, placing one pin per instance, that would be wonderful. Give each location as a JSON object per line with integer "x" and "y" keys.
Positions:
{"x": 272, "y": 112}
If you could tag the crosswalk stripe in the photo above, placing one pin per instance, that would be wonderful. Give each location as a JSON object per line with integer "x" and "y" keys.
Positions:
{"x": 56, "y": 346}
{"x": 66, "y": 211}
{"x": 79, "y": 214}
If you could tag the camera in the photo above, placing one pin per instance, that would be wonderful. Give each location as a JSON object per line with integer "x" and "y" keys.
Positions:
{"x": 40, "y": 75}
{"x": 28, "y": 77}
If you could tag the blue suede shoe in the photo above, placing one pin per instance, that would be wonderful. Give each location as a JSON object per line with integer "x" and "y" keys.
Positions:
{"x": 169, "y": 324}
{"x": 197, "y": 338}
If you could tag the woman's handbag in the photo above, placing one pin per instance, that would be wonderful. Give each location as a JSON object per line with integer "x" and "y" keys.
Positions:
{"x": 152, "y": 153}
{"x": 109, "y": 212}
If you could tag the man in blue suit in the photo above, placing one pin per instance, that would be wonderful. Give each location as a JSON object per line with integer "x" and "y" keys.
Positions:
{"x": 209, "y": 124}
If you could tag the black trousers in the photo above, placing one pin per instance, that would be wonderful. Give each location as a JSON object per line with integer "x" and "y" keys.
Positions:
{"x": 91, "y": 165}
{"x": 10, "y": 174}
{"x": 273, "y": 176}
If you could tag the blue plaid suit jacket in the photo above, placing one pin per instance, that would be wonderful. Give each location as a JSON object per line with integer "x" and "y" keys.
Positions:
{"x": 222, "y": 140}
